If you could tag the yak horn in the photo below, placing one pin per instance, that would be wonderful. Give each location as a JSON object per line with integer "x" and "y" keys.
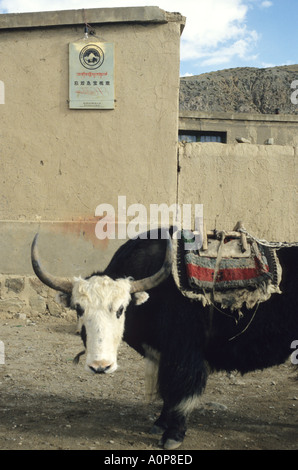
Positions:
{"x": 157, "y": 278}
{"x": 60, "y": 284}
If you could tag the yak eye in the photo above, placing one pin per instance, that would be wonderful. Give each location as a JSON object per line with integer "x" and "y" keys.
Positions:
{"x": 84, "y": 335}
{"x": 80, "y": 310}
{"x": 119, "y": 312}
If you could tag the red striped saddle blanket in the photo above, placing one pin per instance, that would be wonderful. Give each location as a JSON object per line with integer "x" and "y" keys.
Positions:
{"x": 234, "y": 270}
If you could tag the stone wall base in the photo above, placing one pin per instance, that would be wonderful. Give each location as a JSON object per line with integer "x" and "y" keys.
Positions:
{"x": 25, "y": 297}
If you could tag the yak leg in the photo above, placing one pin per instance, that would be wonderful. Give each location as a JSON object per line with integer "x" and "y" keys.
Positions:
{"x": 161, "y": 424}
{"x": 180, "y": 386}
{"x": 168, "y": 418}
{"x": 173, "y": 424}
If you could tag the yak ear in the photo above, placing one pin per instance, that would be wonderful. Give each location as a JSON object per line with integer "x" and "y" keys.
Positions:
{"x": 63, "y": 299}
{"x": 140, "y": 298}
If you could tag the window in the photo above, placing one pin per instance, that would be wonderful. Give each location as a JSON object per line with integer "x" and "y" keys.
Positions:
{"x": 202, "y": 136}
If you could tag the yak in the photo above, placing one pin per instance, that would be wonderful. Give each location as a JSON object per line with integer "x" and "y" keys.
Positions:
{"x": 182, "y": 340}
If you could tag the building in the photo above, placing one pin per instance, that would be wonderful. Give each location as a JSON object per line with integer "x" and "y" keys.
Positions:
{"x": 228, "y": 128}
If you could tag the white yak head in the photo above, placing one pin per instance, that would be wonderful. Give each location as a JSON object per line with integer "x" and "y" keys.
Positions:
{"x": 101, "y": 303}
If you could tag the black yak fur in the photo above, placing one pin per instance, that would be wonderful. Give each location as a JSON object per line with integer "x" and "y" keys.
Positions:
{"x": 194, "y": 340}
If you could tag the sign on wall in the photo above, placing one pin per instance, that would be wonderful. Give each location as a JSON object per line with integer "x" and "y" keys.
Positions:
{"x": 91, "y": 75}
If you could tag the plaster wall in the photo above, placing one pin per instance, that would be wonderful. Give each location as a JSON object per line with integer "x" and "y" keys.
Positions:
{"x": 58, "y": 164}
{"x": 253, "y": 183}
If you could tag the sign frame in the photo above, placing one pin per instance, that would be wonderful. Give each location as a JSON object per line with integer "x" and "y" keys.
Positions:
{"x": 91, "y": 75}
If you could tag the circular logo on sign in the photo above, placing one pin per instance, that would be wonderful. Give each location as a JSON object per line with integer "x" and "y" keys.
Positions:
{"x": 91, "y": 56}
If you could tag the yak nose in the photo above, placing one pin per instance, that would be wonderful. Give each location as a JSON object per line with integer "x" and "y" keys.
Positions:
{"x": 100, "y": 367}
{"x": 99, "y": 370}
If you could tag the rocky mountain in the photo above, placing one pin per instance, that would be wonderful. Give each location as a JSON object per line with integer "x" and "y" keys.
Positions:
{"x": 241, "y": 90}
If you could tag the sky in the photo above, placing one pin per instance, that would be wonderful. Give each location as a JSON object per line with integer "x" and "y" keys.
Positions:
{"x": 219, "y": 34}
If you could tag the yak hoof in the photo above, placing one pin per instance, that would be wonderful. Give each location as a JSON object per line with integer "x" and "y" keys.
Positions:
{"x": 170, "y": 444}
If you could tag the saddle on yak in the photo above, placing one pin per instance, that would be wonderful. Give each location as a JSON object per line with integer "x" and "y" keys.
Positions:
{"x": 229, "y": 269}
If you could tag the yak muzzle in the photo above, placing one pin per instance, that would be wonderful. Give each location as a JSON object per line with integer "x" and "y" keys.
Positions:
{"x": 102, "y": 367}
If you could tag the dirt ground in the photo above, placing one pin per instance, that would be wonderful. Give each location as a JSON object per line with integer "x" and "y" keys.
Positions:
{"x": 46, "y": 402}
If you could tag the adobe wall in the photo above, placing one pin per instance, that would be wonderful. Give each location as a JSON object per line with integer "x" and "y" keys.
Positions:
{"x": 58, "y": 164}
{"x": 253, "y": 183}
